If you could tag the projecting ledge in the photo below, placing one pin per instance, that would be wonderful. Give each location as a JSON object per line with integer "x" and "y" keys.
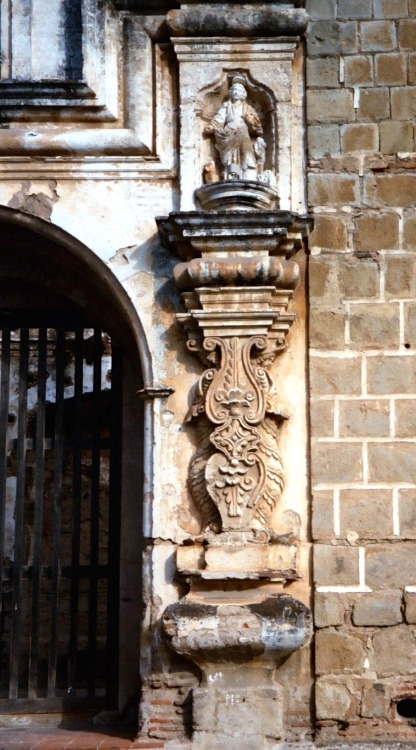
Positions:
{"x": 238, "y": 561}
{"x": 252, "y": 20}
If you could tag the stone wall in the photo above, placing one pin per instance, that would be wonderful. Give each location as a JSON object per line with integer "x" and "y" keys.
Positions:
{"x": 362, "y": 188}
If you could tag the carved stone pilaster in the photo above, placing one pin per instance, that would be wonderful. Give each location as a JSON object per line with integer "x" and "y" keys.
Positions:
{"x": 238, "y": 278}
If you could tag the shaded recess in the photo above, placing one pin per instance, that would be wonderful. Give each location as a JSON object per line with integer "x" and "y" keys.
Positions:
{"x": 44, "y": 264}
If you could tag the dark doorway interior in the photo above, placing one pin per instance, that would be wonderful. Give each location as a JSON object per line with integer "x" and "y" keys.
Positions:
{"x": 60, "y": 512}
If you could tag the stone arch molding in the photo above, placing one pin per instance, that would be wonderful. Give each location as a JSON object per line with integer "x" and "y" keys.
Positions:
{"x": 39, "y": 258}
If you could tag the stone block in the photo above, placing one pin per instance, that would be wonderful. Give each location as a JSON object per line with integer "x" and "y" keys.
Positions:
{"x": 400, "y": 277}
{"x": 358, "y": 278}
{"x": 326, "y": 329}
{"x": 336, "y": 462}
{"x": 374, "y": 104}
{"x": 359, "y": 137}
{"x": 322, "y": 515}
{"x": 391, "y": 374}
{"x": 368, "y": 513}
{"x": 330, "y": 233}
{"x": 337, "y": 652}
{"x": 329, "y": 375}
{"x": 378, "y": 35}
{"x": 329, "y": 105}
{"x": 375, "y": 701}
{"x": 320, "y": 268}
{"x": 410, "y": 607}
{"x": 375, "y": 326}
{"x": 335, "y": 565}
{"x": 364, "y": 418}
{"x": 409, "y": 230}
{"x": 412, "y": 7}
{"x": 238, "y": 712}
{"x": 233, "y": 560}
{"x": 358, "y": 70}
{"x": 391, "y": 69}
{"x": 322, "y": 418}
{"x": 412, "y": 68}
{"x": 405, "y": 418}
{"x": 380, "y": 609}
{"x": 329, "y": 609}
{"x": 407, "y": 513}
{"x": 407, "y": 33}
{"x": 410, "y": 325}
{"x": 323, "y": 140}
{"x": 396, "y": 136}
{"x": 390, "y": 8}
{"x": 333, "y": 701}
{"x": 391, "y": 462}
{"x": 324, "y": 10}
{"x": 390, "y": 566}
{"x": 332, "y": 38}
{"x": 334, "y": 189}
{"x": 391, "y": 190}
{"x": 377, "y": 232}
{"x": 394, "y": 651}
{"x": 322, "y": 72}
{"x": 350, "y": 9}
{"x": 403, "y": 103}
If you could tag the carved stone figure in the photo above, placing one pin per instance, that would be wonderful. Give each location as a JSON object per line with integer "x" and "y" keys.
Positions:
{"x": 233, "y": 127}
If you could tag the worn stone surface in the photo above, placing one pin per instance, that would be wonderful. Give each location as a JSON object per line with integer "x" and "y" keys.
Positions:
{"x": 322, "y": 515}
{"x": 368, "y": 513}
{"x": 378, "y": 609}
{"x": 334, "y": 701}
{"x": 338, "y": 653}
{"x": 329, "y": 610}
{"x": 375, "y": 702}
{"x": 334, "y": 566}
{"x": 394, "y": 651}
{"x": 371, "y": 418}
{"x": 362, "y": 271}
{"x": 390, "y": 566}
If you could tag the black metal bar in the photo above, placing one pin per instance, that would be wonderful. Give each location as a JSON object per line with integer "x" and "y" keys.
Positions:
{"x": 38, "y": 513}
{"x": 57, "y": 509}
{"x": 114, "y": 527}
{"x": 19, "y": 515}
{"x": 76, "y": 511}
{"x": 4, "y": 417}
{"x": 95, "y": 514}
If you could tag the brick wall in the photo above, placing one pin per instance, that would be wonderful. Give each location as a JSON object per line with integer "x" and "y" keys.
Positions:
{"x": 361, "y": 75}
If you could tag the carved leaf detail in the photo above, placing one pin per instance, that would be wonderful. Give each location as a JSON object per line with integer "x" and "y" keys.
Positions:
{"x": 196, "y": 478}
{"x": 269, "y": 455}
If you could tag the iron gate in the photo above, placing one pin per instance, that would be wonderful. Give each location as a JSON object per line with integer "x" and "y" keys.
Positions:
{"x": 60, "y": 488}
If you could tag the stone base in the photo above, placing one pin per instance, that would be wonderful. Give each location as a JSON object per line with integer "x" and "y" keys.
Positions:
{"x": 275, "y": 562}
{"x": 238, "y": 713}
{"x": 237, "y": 195}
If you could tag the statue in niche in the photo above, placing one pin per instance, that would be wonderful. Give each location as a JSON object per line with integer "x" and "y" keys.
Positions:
{"x": 234, "y": 127}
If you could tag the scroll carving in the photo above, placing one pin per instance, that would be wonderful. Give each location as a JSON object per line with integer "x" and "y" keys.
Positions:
{"x": 236, "y": 475}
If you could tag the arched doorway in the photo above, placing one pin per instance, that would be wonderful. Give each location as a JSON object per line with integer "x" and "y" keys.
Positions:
{"x": 69, "y": 421}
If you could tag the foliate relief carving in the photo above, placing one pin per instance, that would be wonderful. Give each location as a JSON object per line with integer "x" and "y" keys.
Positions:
{"x": 239, "y": 139}
{"x": 236, "y": 476}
